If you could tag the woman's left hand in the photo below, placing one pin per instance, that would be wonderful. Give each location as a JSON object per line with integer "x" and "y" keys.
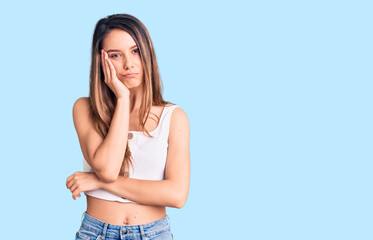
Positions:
{"x": 82, "y": 181}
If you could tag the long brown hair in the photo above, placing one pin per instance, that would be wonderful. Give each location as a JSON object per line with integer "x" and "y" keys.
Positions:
{"x": 101, "y": 98}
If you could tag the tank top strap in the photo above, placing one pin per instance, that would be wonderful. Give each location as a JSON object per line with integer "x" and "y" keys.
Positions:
{"x": 165, "y": 120}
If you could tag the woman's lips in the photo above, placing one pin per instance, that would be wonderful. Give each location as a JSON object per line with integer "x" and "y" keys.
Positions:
{"x": 130, "y": 75}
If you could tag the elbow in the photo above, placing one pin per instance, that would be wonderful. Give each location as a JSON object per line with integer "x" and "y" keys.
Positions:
{"x": 107, "y": 177}
{"x": 180, "y": 195}
{"x": 179, "y": 205}
{"x": 105, "y": 171}
{"x": 180, "y": 200}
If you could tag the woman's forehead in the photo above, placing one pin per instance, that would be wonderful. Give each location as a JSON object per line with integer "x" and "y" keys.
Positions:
{"x": 118, "y": 39}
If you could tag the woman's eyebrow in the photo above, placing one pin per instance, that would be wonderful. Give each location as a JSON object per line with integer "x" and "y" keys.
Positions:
{"x": 113, "y": 50}
{"x": 116, "y": 50}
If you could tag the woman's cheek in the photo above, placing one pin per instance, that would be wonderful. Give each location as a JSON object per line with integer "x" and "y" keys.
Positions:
{"x": 117, "y": 67}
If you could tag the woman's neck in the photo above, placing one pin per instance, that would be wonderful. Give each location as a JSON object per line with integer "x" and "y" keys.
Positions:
{"x": 135, "y": 99}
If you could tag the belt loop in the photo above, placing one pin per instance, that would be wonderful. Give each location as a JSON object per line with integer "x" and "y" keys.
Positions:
{"x": 143, "y": 237}
{"x": 121, "y": 235}
{"x": 104, "y": 231}
{"x": 81, "y": 219}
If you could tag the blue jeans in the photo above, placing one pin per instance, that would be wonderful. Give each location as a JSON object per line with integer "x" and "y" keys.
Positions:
{"x": 94, "y": 229}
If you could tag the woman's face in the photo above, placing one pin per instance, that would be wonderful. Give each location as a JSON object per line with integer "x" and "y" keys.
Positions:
{"x": 125, "y": 56}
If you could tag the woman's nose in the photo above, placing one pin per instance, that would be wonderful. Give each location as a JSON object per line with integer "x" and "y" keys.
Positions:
{"x": 128, "y": 63}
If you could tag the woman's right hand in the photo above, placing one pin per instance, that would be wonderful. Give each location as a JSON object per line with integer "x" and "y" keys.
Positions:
{"x": 111, "y": 78}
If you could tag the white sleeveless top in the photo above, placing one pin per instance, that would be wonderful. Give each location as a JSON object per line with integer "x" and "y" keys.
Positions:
{"x": 149, "y": 155}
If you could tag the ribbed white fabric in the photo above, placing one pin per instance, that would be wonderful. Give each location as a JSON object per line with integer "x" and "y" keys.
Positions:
{"x": 149, "y": 155}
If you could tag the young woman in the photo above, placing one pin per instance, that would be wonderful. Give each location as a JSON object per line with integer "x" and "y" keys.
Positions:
{"x": 135, "y": 144}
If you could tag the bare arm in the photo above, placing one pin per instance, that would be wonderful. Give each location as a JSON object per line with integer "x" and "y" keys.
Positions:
{"x": 173, "y": 191}
{"x": 105, "y": 156}
{"x": 148, "y": 192}
{"x": 109, "y": 155}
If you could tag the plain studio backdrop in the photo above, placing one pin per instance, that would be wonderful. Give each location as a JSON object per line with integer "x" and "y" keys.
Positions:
{"x": 278, "y": 96}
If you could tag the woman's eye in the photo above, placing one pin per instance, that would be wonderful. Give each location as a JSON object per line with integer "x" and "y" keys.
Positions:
{"x": 136, "y": 50}
{"x": 113, "y": 55}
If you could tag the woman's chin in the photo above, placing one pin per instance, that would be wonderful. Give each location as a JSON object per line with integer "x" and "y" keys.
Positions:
{"x": 133, "y": 86}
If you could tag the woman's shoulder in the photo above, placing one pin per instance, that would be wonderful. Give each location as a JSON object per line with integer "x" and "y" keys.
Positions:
{"x": 82, "y": 100}
{"x": 177, "y": 111}
{"x": 81, "y": 103}
{"x": 81, "y": 109}
{"x": 179, "y": 119}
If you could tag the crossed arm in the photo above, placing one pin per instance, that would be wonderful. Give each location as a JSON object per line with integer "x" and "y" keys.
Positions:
{"x": 172, "y": 191}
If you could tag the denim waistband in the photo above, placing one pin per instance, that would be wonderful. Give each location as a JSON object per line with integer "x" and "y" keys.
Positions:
{"x": 118, "y": 231}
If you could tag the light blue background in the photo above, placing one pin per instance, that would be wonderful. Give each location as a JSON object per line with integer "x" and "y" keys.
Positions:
{"x": 278, "y": 95}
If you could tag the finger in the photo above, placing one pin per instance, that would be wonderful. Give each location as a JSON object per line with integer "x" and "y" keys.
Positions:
{"x": 76, "y": 192}
{"x": 72, "y": 180}
{"x": 69, "y": 177}
{"x": 69, "y": 182}
{"x": 74, "y": 187}
{"x": 103, "y": 65}
{"x": 107, "y": 66}
{"x": 112, "y": 69}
